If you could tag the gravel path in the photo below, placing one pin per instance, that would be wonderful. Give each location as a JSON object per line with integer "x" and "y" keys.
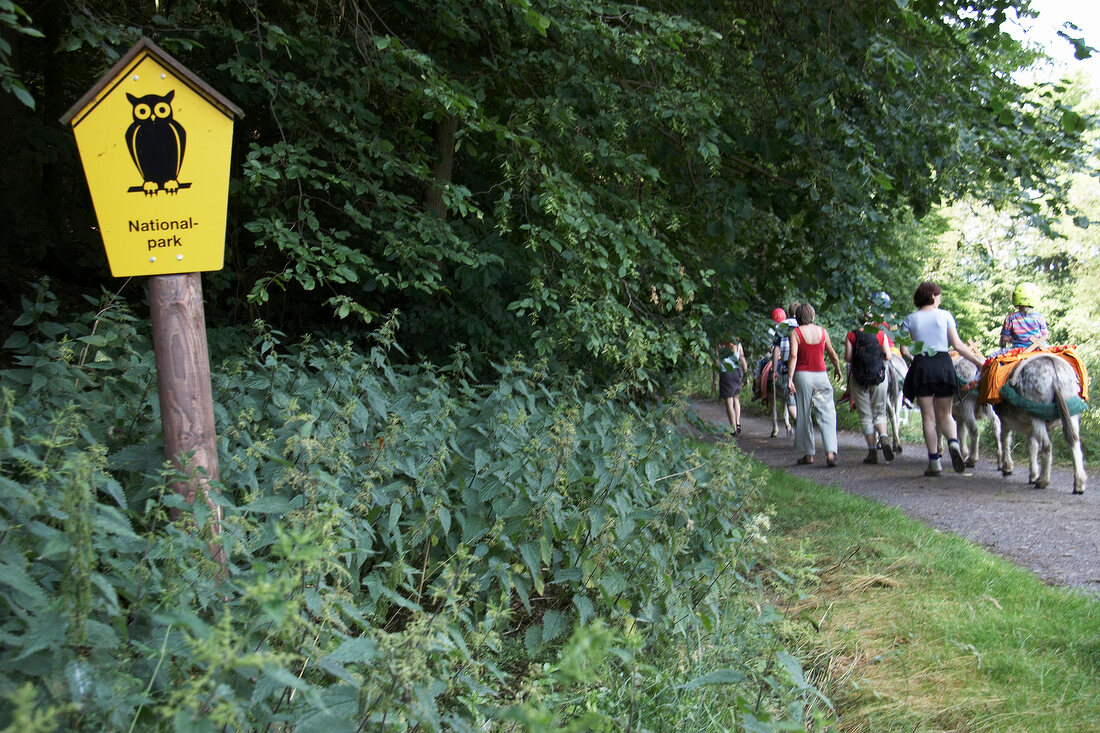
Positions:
{"x": 1050, "y": 531}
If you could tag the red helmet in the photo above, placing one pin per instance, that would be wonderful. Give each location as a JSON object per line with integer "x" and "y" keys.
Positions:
{"x": 779, "y": 315}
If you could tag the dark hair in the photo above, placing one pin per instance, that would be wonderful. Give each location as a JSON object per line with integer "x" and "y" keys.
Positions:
{"x": 805, "y": 314}
{"x": 925, "y": 293}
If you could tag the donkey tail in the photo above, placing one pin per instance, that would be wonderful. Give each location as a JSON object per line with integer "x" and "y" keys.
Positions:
{"x": 1069, "y": 427}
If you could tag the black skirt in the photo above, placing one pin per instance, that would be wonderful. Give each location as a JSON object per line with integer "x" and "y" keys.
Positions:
{"x": 931, "y": 376}
{"x": 729, "y": 384}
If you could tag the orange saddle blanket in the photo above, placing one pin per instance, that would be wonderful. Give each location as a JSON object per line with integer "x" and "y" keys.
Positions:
{"x": 997, "y": 370}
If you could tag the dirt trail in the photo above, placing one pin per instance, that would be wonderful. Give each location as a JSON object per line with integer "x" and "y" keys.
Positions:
{"x": 1051, "y": 531}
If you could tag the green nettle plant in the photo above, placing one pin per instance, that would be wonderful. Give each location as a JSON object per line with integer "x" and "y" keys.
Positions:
{"x": 406, "y": 549}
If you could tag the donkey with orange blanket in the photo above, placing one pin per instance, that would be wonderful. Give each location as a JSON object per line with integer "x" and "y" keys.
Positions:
{"x": 1033, "y": 391}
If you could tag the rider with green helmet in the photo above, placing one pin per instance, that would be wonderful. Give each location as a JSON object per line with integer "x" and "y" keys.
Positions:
{"x": 1024, "y": 326}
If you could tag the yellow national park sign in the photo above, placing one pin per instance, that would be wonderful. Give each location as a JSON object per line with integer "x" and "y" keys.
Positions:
{"x": 155, "y": 142}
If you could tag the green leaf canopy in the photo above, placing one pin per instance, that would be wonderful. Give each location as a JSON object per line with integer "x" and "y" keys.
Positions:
{"x": 604, "y": 184}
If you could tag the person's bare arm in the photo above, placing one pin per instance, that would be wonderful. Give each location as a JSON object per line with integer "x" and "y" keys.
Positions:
{"x": 963, "y": 349}
{"x": 791, "y": 361}
{"x": 832, "y": 352}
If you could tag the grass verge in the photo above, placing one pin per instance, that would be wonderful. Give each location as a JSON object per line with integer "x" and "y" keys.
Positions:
{"x": 912, "y": 629}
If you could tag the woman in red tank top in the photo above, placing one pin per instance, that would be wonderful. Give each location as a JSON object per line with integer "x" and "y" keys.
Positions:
{"x": 809, "y": 382}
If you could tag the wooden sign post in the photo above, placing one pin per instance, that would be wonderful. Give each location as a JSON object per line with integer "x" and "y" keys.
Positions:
{"x": 183, "y": 384}
{"x": 155, "y": 144}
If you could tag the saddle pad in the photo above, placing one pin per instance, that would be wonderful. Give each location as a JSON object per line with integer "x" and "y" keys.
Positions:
{"x": 1075, "y": 405}
{"x": 997, "y": 370}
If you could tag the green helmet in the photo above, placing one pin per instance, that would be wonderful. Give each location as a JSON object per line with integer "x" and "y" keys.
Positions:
{"x": 1025, "y": 294}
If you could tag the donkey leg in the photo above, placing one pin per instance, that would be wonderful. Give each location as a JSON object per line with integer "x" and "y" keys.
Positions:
{"x": 965, "y": 427}
{"x": 1034, "y": 445}
{"x": 892, "y": 428}
{"x": 974, "y": 427}
{"x": 995, "y": 421}
{"x": 897, "y": 428}
{"x": 1046, "y": 456}
{"x": 1074, "y": 440}
{"x": 973, "y": 450}
{"x": 1006, "y": 451}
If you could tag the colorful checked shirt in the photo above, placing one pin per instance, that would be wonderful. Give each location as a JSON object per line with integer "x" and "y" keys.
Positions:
{"x": 1021, "y": 328}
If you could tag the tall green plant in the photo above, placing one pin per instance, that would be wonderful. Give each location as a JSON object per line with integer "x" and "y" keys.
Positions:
{"x": 405, "y": 548}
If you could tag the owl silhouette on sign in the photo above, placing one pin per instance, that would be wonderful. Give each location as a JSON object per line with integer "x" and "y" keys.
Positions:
{"x": 156, "y": 143}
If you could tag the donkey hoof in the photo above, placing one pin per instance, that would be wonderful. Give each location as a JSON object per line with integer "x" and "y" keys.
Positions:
{"x": 897, "y": 448}
{"x": 1078, "y": 490}
{"x": 775, "y": 433}
{"x": 971, "y": 462}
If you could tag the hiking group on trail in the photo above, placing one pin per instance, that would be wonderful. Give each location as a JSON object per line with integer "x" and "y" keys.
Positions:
{"x": 1057, "y": 384}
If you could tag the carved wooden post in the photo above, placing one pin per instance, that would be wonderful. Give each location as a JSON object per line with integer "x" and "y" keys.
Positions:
{"x": 183, "y": 380}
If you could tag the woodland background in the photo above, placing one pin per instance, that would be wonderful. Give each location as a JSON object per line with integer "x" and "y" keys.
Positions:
{"x": 604, "y": 185}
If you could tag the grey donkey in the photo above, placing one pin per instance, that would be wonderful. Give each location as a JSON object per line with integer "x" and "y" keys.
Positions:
{"x": 966, "y": 411}
{"x": 1045, "y": 379}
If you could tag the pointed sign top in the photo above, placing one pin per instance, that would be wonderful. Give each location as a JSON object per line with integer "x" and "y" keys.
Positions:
{"x": 88, "y": 102}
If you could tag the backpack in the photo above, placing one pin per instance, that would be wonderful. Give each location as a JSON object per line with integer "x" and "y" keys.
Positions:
{"x": 868, "y": 368}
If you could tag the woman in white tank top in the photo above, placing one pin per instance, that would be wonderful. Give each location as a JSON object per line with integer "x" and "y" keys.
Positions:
{"x": 931, "y": 381}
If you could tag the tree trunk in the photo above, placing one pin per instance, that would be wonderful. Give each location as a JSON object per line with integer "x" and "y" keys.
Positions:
{"x": 445, "y": 132}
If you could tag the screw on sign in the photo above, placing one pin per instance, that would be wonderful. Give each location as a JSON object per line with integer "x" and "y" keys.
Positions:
{"x": 142, "y": 128}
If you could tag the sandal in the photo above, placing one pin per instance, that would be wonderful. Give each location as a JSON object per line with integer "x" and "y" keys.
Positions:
{"x": 805, "y": 460}
{"x": 830, "y": 462}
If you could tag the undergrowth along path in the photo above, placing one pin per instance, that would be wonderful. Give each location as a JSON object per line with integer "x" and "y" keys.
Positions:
{"x": 1050, "y": 531}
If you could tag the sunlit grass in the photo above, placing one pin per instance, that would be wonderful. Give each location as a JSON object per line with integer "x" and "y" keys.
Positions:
{"x": 911, "y": 629}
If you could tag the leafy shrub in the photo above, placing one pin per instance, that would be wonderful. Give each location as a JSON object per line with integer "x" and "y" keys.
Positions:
{"x": 406, "y": 550}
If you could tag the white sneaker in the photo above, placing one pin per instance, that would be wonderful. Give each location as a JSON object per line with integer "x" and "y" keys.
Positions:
{"x": 934, "y": 467}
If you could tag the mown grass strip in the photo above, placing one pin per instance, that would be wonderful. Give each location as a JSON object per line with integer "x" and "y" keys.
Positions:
{"x": 909, "y": 628}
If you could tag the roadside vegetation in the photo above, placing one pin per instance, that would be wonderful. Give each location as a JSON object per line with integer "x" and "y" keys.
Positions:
{"x": 907, "y": 628}
{"x": 407, "y": 549}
